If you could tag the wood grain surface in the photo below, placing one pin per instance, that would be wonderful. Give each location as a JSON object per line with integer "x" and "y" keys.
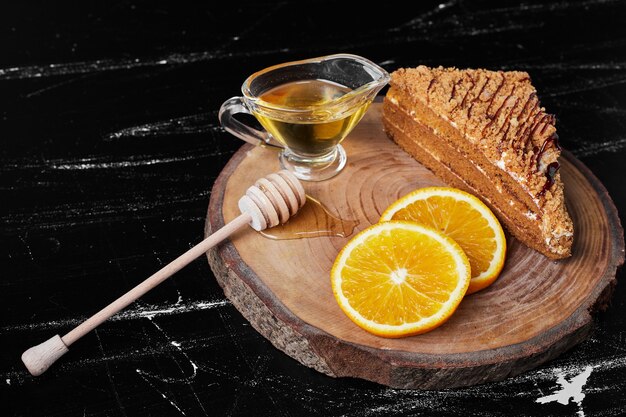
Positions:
{"x": 536, "y": 309}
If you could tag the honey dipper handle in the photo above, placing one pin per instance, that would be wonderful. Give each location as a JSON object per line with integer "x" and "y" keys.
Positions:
{"x": 38, "y": 358}
{"x": 157, "y": 278}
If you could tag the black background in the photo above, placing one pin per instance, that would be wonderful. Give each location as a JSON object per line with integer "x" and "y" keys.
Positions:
{"x": 110, "y": 146}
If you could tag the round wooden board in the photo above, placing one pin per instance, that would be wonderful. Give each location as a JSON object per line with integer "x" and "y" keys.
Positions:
{"x": 536, "y": 309}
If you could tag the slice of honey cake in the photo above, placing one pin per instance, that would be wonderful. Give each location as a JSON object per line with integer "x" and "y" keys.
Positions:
{"x": 486, "y": 132}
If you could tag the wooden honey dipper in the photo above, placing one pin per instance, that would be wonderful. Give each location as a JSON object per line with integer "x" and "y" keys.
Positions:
{"x": 270, "y": 201}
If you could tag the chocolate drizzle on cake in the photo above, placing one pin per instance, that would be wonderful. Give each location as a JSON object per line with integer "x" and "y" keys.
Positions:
{"x": 469, "y": 90}
{"x": 519, "y": 141}
{"x": 493, "y": 96}
{"x": 551, "y": 168}
{"x": 495, "y": 116}
{"x": 550, "y": 174}
{"x": 507, "y": 120}
{"x": 430, "y": 85}
{"x": 551, "y": 141}
{"x": 480, "y": 92}
{"x": 453, "y": 92}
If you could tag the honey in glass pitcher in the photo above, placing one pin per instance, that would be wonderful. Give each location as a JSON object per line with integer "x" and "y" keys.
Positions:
{"x": 319, "y": 134}
{"x": 306, "y": 108}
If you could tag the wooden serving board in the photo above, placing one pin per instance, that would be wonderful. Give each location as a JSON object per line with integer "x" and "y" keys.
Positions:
{"x": 536, "y": 309}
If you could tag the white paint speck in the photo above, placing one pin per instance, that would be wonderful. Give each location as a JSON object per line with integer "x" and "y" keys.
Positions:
{"x": 143, "y": 375}
{"x": 570, "y": 390}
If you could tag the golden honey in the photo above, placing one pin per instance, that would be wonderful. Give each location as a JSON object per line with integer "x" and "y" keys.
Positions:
{"x": 312, "y": 220}
{"x": 323, "y": 127}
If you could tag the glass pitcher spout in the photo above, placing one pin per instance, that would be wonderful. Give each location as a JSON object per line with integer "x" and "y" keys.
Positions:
{"x": 362, "y": 77}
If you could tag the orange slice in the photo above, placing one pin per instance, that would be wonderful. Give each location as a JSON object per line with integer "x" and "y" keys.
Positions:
{"x": 400, "y": 278}
{"x": 465, "y": 219}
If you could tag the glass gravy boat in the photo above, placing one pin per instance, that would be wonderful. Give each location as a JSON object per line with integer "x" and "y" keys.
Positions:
{"x": 307, "y": 108}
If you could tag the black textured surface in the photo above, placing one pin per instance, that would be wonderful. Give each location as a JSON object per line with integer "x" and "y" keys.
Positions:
{"x": 110, "y": 145}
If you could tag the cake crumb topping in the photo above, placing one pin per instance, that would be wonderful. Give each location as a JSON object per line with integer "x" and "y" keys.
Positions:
{"x": 490, "y": 108}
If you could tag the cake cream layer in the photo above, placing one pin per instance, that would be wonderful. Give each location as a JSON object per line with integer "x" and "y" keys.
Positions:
{"x": 439, "y": 144}
{"x": 464, "y": 176}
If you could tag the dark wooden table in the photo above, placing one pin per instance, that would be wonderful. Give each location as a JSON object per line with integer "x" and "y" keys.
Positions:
{"x": 110, "y": 146}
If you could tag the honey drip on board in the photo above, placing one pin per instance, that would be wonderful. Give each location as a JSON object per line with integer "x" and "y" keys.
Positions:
{"x": 312, "y": 220}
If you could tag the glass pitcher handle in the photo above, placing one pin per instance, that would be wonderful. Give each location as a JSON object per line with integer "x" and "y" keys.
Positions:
{"x": 251, "y": 135}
